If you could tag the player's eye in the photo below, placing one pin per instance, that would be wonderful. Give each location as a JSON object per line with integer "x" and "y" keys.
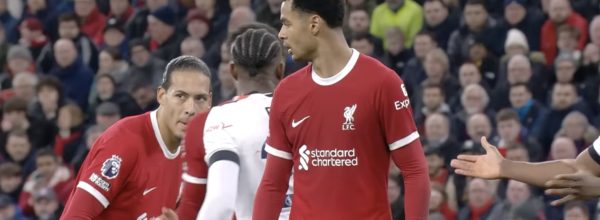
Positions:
{"x": 180, "y": 96}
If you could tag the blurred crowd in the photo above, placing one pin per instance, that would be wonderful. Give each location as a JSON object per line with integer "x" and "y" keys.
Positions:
{"x": 524, "y": 73}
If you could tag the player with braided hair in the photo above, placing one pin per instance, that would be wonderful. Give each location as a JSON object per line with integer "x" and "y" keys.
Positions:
{"x": 225, "y": 147}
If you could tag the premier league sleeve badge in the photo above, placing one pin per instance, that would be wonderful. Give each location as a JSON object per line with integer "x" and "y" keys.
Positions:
{"x": 110, "y": 167}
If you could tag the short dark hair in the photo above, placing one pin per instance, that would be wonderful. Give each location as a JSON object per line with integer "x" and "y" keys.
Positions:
{"x": 114, "y": 53}
{"x": 525, "y": 85}
{"x": 476, "y": 2}
{"x": 10, "y": 169}
{"x": 69, "y": 17}
{"x": 432, "y": 85}
{"x": 137, "y": 42}
{"x": 183, "y": 63}
{"x": 440, "y": 1}
{"x": 507, "y": 114}
{"x": 15, "y": 104}
{"x": 571, "y": 30}
{"x": 108, "y": 76}
{"x": 332, "y": 11}
{"x": 46, "y": 152}
{"x": 255, "y": 50}
{"x": 49, "y": 81}
{"x": 429, "y": 34}
{"x": 363, "y": 36}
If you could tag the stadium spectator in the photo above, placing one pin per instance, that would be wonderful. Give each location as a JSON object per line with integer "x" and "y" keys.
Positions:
{"x": 440, "y": 21}
{"x": 240, "y": 16}
{"x": 478, "y": 26}
{"x": 438, "y": 136}
{"x": 24, "y": 86}
{"x": 92, "y": 20}
{"x": 395, "y": 56}
{"x": 8, "y": 209}
{"x": 70, "y": 132}
{"x": 114, "y": 37}
{"x": 474, "y": 100}
{"x": 164, "y": 41}
{"x": 437, "y": 67}
{"x": 438, "y": 203}
{"x": 517, "y": 152}
{"x": 486, "y": 62}
{"x": 113, "y": 64}
{"x": 364, "y": 44}
{"x": 567, "y": 41}
{"x": 269, "y": 13}
{"x": 395, "y": 197}
{"x": 50, "y": 173}
{"x": 576, "y": 210}
{"x": 15, "y": 118}
{"x": 145, "y": 97}
{"x": 414, "y": 72}
{"x": 75, "y": 76}
{"x": 480, "y": 198}
{"x": 437, "y": 170}
{"x": 576, "y": 127}
{"x": 359, "y": 22}
{"x": 46, "y": 205}
{"x": 91, "y": 135}
{"x": 107, "y": 114}
{"x": 193, "y": 47}
{"x": 468, "y": 74}
{"x": 528, "y": 20}
{"x": 32, "y": 36}
{"x": 562, "y": 148}
{"x": 198, "y": 25}
{"x": 138, "y": 25}
{"x": 591, "y": 57}
{"x": 531, "y": 112}
{"x": 595, "y": 31}
{"x": 123, "y": 11}
{"x": 560, "y": 13}
{"x": 404, "y": 14}
{"x": 107, "y": 91}
{"x": 518, "y": 195}
{"x": 49, "y": 98}
{"x": 19, "y": 151}
{"x": 68, "y": 27}
{"x": 519, "y": 70}
{"x": 432, "y": 102}
{"x": 565, "y": 69}
{"x": 511, "y": 133}
{"x": 226, "y": 85}
{"x": 146, "y": 69}
{"x": 11, "y": 180}
{"x": 19, "y": 59}
{"x": 8, "y": 22}
{"x": 477, "y": 125}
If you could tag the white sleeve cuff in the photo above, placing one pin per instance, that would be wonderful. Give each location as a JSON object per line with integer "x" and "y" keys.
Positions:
{"x": 192, "y": 179}
{"x": 94, "y": 192}
{"x": 404, "y": 141}
{"x": 278, "y": 153}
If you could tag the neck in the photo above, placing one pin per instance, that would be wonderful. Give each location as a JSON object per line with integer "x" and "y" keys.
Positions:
{"x": 167, "y": 135}
{"x": 248, "y": 86}
{"x": 332, "y": 54}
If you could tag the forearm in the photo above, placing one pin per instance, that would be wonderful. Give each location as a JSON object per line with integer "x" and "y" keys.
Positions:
{"x": 271, "y": 192}
{"x": 191, "y": 200}
{"x": 82, "y": 205}
{"x": 221, "y": 191}
{"x": 414, "y": 169}
{"x": 534, "y": 173}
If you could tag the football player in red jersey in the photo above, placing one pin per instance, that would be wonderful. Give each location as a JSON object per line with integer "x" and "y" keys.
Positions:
{"x": 133, "y": 170}
{"x": 336, "y": 123}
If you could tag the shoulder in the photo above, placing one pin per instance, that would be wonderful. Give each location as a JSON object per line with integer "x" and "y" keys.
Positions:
{"x": 294, "y": 81}
{"x": 377, "y": 71}
{"x": 128, "y": 131}
{"x": 412, "y": 5}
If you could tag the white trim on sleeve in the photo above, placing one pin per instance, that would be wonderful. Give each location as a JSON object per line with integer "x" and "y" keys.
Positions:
{"x": 404, "y": 141}
{"x": 192, "y": 179}
{"x": 94, "y": 192}
{"x": 596, "y": 144}
{"x": 278, "y": 153}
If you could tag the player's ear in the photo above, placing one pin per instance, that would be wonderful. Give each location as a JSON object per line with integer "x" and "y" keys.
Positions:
{"x": 160, "y": 95}
{"x": 232, "y": 71}
{"x": 315, "y": 24}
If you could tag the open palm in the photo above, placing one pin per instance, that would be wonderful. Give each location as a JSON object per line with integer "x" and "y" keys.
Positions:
{"x": 485, "y": 166}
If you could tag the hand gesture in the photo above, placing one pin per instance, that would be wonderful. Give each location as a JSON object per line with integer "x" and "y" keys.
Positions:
{"x": 485, "y": 166}
{"x": 581, "y": 185}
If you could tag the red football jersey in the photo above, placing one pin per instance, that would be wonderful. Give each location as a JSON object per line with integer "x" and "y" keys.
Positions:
{"x": 339, "y": 132}
{"x": 130, "y": 171}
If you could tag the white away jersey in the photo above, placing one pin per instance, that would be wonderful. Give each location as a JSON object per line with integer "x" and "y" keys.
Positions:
{"x": 242, "y": 126}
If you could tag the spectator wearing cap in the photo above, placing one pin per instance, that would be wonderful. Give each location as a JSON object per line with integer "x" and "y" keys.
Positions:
{"x": 269, "y": 13}
{"x": 46, "y": 205}
{"x": 32, "y": 36}
{"x": 404, "y": 14}
{"x": 478, "y": 26}
{"x": 145, "y": 69}
{"x": 8, "y": 22}
{"x": 137, "y": 27}
{"x": 70, "y": 70}
{"x": 114, "y": 37}
{"x": 518, "y": 16}
{"x": 19, "y": 60}
{"x": 560, "y": 13}
{"x": 198, "y": 25}
{"x": 8, "y": 209}
{"x": 107, "y": 114}
{"x": 92, "y": 21}
{"x": 516, "y": 43}
{"x": 164, "y": 41}
{"x": 69, "y": 28}
{"x": 50, "y": 174}
{"x": 47, "y": 15}
{"x": 440, "y": 21}
{"x": 11, "y": 180}
{"x": 106, "y": 91}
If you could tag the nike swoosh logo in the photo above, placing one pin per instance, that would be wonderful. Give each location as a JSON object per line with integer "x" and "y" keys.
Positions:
{"x": 296, "y": 123}
{"x": 148, "y": 191}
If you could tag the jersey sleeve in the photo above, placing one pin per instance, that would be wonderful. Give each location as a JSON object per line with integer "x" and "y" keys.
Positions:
{"x": 219, "y": 141}
{"x": 594, "y": 150}
{"x": 277, "y": 142}
{"x": 396, "y": 113}
{"x": 197, "y": 170}
{"x": 110, "y": 166}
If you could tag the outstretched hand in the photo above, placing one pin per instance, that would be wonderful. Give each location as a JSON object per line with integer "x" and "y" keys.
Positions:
{"x": 485, "y": 166}
{"x": 168, "y": 214}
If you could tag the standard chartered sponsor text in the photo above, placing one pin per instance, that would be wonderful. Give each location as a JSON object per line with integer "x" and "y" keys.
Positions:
{"x": 333, "y": 158}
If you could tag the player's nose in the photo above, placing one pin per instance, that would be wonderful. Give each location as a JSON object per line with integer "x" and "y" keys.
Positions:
{"x": 190, "y": 107}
